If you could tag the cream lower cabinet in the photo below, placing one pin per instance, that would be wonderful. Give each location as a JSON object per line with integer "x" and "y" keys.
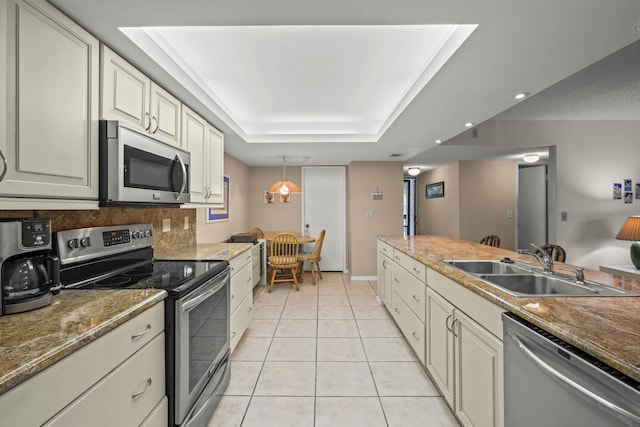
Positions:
{"x": 259, "y": 262}
{"x": 206, "y": 145}
{"x": 464, "y": 351}
{"x": 385, "y": 272}
{"x": 241, "y": 295}
{"x": 48, "y": 109}
{"x": 118, "y": 379}
{"x": 408, "y": 294}
{"x": 128, "y": 95}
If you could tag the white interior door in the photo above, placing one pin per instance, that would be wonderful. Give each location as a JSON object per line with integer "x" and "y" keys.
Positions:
{"x": 532, "y": 206}
{"x": 324, "y": 207}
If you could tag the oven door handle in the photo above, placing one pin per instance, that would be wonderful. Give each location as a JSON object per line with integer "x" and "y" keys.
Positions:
{"x": 569, "y": 382}
{"x": 202, "y": 294}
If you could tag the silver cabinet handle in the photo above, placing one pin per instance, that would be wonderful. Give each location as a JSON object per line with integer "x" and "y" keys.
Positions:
{"x": 569, "y": 382}
{"x": 148, "y": 117}
{"x": 157, "y": 124}
{"x": 416, "y": 270}
{"x": 396, "y": 280}
{"x": 141, "y": 392}
{"x": 4, "y": 163}
{"x": 138, "y": 335}
{"x": 414, "y": 335}
{"x": 233, "y": 296}
{"x": 396, "y": 310}
{"x": 453, "y": 327}
{"x": 250, "y": 310}
{"x": 446, "y": 323}
{"x": 416, "y": 298}
{"x": 233, "y": 335}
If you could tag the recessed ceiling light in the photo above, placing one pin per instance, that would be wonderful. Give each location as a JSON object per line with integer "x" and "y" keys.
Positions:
{"x": 438, "y": 141}
{"x": 413, "y": 171}
{"x": 521, "y": 95}
{"x": 531, "y": 158}
{"x": 469, "y": 124}
{"x": 395, "y": 155}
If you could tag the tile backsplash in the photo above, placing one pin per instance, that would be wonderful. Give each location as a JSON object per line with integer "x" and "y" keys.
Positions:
{"x": 176, "y": 237}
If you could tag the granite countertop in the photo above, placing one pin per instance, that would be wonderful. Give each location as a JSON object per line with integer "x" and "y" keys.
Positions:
{"x": 604, "y": 327}
{"x": 35, "y": 340}
{"x": 209, "y": 251}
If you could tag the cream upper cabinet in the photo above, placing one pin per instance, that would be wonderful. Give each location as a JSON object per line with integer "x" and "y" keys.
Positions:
{"x": 130, "y": 96}
{"x": 49, "y": 110}
{"x": 206, "y": 145}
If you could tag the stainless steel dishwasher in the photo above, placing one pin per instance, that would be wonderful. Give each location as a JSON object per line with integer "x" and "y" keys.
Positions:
{"x": 548, "y": 382}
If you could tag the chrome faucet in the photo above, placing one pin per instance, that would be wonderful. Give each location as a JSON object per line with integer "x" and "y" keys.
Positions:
{"x": 545, "y": 260}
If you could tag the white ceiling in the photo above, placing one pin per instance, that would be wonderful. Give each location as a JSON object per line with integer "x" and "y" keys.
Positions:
{"x": 518, "y": 45}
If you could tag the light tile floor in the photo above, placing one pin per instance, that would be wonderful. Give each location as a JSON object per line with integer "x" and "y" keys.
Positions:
{"x": 327, "y": 355}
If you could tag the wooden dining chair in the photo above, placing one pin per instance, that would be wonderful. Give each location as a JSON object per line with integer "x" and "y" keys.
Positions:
{"x": 258, "y": 232}
{"x": 283, "y": 256}
{"x": 313, "y": 258}
{"x": 556, "y": 252}
{"x": 491, "y": 240}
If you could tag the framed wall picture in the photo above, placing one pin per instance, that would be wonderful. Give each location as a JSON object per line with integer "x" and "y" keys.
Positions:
{"x": 220, "y": 214}
{"x": 435, "y": 190}
{"x": 617, "y": 191}
{"x": 268, "y": 197}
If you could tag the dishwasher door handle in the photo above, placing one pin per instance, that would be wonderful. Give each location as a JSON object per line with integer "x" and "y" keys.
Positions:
{"x": 569, "y": 382}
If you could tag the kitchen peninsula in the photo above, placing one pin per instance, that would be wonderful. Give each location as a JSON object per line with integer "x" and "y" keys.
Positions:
{"x": 605, "y": 327}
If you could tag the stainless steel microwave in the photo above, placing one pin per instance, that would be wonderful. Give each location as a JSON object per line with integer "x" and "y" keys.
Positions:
{"x": 138, "y": 170}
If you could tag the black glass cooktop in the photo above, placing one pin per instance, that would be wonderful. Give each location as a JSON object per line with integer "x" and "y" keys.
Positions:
{"x": 135, "y": 271}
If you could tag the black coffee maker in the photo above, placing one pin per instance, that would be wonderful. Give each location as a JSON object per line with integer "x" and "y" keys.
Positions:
{"x": 29, "y": 273}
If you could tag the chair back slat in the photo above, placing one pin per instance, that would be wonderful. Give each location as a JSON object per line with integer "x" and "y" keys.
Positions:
{"x": 284, "y": 245}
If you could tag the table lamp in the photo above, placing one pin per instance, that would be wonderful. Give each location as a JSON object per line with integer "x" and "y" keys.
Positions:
{"x": 631, "y": 231}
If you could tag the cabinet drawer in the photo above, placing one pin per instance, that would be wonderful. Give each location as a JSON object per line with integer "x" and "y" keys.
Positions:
{"x": 159, "y": 416}
{"x": 411, "y": 290}
{"x": 241, "y": 286}
{"x": 385, "y": 249}
{"x": 415, "y": 267}
{"x": 69, "y": 378}
{"x": 240, "y": 261}
{"x": 240, "y": 320}
{"x": 412, "y": 328}
{"x": 124, "y": 397}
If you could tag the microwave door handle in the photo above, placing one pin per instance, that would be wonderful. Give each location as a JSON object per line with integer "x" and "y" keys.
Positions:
{"x": 184, "y": 175}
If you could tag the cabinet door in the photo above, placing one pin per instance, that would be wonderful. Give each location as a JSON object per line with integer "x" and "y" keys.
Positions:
{"x": 216, "y": 167}
{"x": 124, "y": 91}
{"x": 478, "y": 361}
{"x": 439, "y": 343}
{"x": 166, "y": 115}
{"x": 49, "y": 142}
{"x": 194, "y": 139}
{"x": 385, "y": 276}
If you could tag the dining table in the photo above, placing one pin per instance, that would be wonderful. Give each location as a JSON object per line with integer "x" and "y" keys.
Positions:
{"x": 302, "y": 239}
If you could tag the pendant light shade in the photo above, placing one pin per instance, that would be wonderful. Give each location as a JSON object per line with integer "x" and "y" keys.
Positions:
{"x": 284, "y": 186}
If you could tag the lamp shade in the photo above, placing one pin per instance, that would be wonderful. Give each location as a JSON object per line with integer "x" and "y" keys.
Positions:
{"x": 284, "y": 187}
{"x": 631, "y": 231}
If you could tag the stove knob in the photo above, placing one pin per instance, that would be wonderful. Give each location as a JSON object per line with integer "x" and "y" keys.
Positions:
{"x": 147, "y": 233}
{"x": 72, "y": 244}
{"x": 135, "y": 234}
{"x": 85, "y": 242}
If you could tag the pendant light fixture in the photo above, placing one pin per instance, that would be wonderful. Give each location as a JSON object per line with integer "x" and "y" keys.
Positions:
{"x": 284, "y": 186}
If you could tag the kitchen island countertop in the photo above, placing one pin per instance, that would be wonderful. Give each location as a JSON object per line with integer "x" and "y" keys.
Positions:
{"x": 608, "y": 328}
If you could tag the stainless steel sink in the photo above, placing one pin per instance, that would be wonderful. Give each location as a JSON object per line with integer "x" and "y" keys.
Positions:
{"x": 488, "y": 267}
{"x": 522, "y": 280}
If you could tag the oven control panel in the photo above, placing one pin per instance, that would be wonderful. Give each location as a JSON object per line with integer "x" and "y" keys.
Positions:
{"x": 87, "y": 243}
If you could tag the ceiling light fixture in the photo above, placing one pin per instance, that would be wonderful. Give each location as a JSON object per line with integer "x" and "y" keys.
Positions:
{"x": 284, "y": 186}
{"x": 469, "y": 124}
{"x": 521, "y": 95}
{"x": 531, "y": 158}
{"x": 413, "y": 171}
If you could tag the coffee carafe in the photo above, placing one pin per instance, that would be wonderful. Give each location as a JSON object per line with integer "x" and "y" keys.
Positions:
{"x": 29, "y": 272}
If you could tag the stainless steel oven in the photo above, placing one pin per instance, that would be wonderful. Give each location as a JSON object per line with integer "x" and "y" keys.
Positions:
{"x": 137, "y": 169}
{"x": 197, "y": 309}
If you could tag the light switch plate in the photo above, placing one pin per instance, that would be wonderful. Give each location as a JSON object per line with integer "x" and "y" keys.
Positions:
{"x": 166, "y": 225}
{"x": 186, "y": 222}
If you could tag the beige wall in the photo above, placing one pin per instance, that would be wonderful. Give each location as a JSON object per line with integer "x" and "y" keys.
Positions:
{"x": 363, "y": 178}
{"x": 440, "y": 216}
{"x": 477, "y": 196}
{"x": 239, "y": 187}
{"x": 275, "y": 216}
{"x": 487, "y": 191}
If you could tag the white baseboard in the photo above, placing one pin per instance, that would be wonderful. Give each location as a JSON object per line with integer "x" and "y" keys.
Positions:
{"x": 363, "y": 278}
